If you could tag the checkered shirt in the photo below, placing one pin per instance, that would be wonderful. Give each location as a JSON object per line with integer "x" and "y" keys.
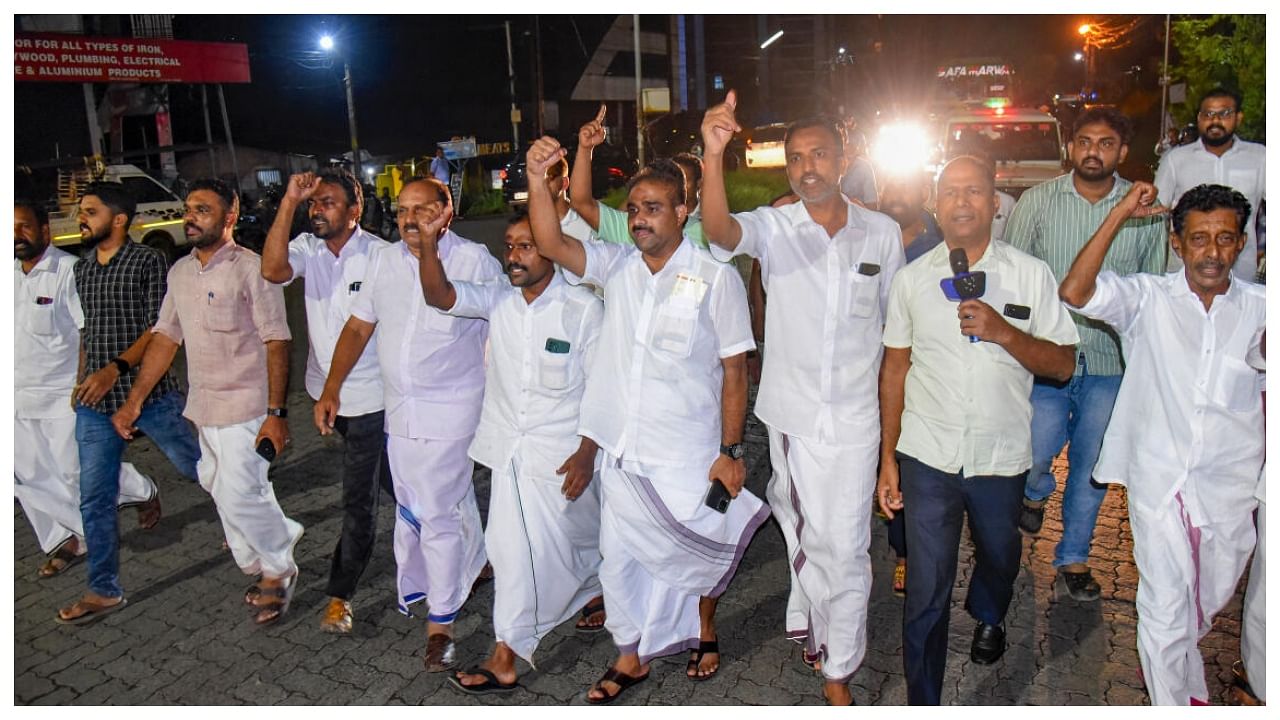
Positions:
{"x": 121, "y": 300}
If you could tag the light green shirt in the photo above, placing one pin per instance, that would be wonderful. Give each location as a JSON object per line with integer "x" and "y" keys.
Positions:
{"x": 1052, "y": 222}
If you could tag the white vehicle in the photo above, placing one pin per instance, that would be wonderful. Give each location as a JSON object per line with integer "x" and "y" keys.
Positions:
{"x": 157, "y": 222}
{"x": 1025, "y": 144}
{"x": 765, "y": 147}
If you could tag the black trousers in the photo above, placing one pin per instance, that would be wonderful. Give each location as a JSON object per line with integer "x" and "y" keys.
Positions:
{"x": 365, "y": 469}
{"x": 937, "y": 503}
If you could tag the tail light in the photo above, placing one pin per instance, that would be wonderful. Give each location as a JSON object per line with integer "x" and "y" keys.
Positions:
{"x": 616, "y": 173}
{"x": 502, "y": 174}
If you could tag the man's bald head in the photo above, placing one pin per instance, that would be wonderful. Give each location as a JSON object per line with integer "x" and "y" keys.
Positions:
{"x": 985, "y": 169}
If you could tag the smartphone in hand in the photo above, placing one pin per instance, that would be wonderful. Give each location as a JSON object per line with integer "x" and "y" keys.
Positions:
{"x": 718, "y": 497}
{"x": 267, "y": 449}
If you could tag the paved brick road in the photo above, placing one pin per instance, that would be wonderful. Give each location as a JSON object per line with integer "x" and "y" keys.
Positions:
{"x": 187, "y": 639}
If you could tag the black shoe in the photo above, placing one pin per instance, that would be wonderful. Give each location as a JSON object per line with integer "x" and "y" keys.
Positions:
{"x": 988, "y": 644}
{"x": 1080, "y": 585}
{"x": 1031, "y": 518}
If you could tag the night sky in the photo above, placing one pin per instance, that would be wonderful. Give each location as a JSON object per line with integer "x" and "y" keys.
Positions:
{"x": 421, "y": 79}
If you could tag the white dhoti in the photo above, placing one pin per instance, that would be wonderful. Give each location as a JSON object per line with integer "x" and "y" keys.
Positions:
{"x": 439, "y": 542}
{"x": 821, "y": 496}
{"x": 545, "y": 552}
{"x": 1186, "y": 575}
{"x": 46, "y": 479}
{"x": 664, "y": 549}
{"x": 1253, "y": 641}
{"x": 261, "y": 538}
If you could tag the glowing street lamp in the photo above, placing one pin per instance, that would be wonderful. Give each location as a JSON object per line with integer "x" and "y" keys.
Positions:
{"x": 1078, "y": 56}
{"x": 328, "y": 45}
{"x": 772, "y": 39}
{"x": 1084, "y": 29}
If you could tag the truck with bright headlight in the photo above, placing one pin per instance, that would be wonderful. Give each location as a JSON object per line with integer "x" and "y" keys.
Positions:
{"x": 1024, "y": 144}
{"x": 157, "y": 222}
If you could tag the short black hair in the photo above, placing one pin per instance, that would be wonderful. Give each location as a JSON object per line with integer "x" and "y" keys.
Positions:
{"x": 822, "y": 122}
{"x": 664, "y": 171}
{"x": 442, "y": 190}
{"x": 1221, "y": 92}
{"x": 1207, "y": 198}
{"x": 115, "y": 197}
{"x": 37, "y": 209}
{"x": 221, "y": 188}
{"x": 691, "y": 164}
{"x": 521, "y": 215}
{"x": 343, "y": 178}
{"x": 1110, "y": 117}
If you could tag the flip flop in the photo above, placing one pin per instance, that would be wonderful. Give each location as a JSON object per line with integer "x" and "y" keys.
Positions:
{"x": 59, "y": 561}
{"x": 695, "y": 659}
{"x": 93, "y": 614}
{"x": 587, "y": 611}
{"x": 278, "y": 597}
{"x": 491, "y": 686}
{"x": 814, "y": 662}
{"x": 622, "y": 680}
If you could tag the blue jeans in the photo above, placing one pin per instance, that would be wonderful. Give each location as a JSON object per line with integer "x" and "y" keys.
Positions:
{"x": 100, "y": 452}
{"x": 1077, "y": 411}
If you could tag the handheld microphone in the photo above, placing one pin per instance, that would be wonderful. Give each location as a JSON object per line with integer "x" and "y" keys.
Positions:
{"x": 964, "y": 285}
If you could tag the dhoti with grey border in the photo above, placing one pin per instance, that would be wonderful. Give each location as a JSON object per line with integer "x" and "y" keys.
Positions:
{"x": 664, "y": 549}
{"x": 821, "y": 496}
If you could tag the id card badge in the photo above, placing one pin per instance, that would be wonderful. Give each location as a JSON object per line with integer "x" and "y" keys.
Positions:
{"x": 690, "y": 287}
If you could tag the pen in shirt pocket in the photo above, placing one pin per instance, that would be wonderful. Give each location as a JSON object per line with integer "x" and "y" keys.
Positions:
{"x": 210, "y": 297}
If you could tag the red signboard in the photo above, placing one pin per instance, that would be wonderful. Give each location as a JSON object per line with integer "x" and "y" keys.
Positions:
{"x": 48, "y": 57}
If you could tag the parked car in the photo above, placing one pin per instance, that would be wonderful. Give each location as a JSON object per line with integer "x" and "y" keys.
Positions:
{"x": 611, "y": 167}
{"x": 765, "y": 148}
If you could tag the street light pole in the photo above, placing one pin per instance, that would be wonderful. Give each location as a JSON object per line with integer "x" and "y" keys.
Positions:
{"x": 351, "y": 117}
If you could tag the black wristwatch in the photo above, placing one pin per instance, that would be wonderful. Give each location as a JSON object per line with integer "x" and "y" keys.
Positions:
{"x": 121, "y": 364}
{"x": 278, "y": 412}
{"x": 734, "y": 451}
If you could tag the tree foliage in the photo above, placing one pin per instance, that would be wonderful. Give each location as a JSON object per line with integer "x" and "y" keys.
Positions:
{"x": 1227, "y": 51}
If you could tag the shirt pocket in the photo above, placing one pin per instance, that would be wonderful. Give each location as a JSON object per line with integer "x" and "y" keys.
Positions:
{"x": 1246, "y": 182}
{"x": 1236, "y": 387}
{"x": 864, "y": 295}
{"x": 676, "y": 325}
{"x": 437, "y": 321}
{"x": 223, "y": 317}
{"x": 555, "y": 370}
{"x": 39, "y": 321}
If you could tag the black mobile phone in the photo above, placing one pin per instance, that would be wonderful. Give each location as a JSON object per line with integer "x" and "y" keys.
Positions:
{"x": 718, "y": 497}
{"x": 267, "y": 449}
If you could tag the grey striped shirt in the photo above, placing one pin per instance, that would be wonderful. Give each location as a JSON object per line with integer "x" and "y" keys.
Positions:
{"x": 1052, "y": 222}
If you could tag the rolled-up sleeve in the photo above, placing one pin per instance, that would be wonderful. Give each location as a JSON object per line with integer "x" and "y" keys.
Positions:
{"x": 1116, "y": 300}
{"x": 476, "y": 300}
{"x": 168, "y": 323}
{"x": 755, "y": 235}
{"x": 730, "y": 316}
{"x": 602, "y": 259}
{"x": 266, "y": 302}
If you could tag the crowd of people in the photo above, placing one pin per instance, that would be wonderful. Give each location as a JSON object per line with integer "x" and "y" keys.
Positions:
{"x": 918, "y": 365}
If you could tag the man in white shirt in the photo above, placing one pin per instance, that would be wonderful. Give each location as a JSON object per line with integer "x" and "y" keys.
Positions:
{"x": 1218, "y": 157}
{"x": 666, "y": 400}
{"x": 1185, "y": 437}
{"x": 432, "y": 368}
{"x": 543, "y": 533}
{"x": 333, "y": 258}
{"x": 46, "y": 343}
{"x": 826, "y": 265}
{"x": 956, "y": 415}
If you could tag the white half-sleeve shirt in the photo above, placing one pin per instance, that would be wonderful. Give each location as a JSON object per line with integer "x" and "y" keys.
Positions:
{"x": 332, "y": 282}
{"x": 46, "y": 336}
{"x": 967, "y": 405}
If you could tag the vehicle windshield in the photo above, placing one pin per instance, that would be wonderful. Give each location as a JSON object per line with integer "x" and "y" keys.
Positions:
{"x": 1004, "y": 141}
